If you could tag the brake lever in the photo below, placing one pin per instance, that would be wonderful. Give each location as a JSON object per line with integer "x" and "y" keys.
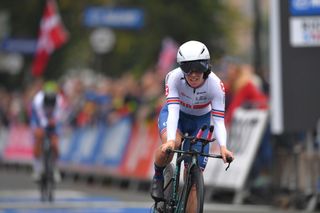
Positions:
{"x": 228, "y": 166}
{"x": 229, "y": 160}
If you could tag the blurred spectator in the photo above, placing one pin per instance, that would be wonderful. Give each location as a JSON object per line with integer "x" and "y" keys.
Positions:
{"x": 74, "y": 92}
{"x": 152, "y": 93}
{"x": 85, "y": 117}
{"x": 132, "y": 99}
{"x": 4, "y": 107}
{"x": 103, "y": 99}
{"x": 125, "y": 98}
{"x": 242, "y": 91}
{"x": 17, "y": 113}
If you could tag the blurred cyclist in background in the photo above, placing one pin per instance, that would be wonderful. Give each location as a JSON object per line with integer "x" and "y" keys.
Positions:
{"x": 195, "y": 96}
{"x": 45, "y": 117}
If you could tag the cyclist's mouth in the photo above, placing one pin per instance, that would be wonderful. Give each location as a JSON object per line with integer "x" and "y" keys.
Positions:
{"x": 194, "y": 81}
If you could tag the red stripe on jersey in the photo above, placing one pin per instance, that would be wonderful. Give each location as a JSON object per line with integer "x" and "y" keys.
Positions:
{"x": 196, "y": 106}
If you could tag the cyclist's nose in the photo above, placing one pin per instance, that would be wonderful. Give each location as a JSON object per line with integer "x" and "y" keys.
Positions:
{"x": 194, "y": 73}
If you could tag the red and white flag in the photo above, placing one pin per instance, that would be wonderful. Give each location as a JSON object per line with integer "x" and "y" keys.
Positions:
{"x": 167, "y": 56}
{"x": 52, "y": 35}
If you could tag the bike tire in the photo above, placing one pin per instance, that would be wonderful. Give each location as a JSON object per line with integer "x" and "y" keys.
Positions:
{"x": 50, "y": 190}
{"x": 195, "y": 177}
{"x": 163, "y": 207}
{"x": 50, "y": 178}
{"x": 168, "y": 183}
{"x": 183, "y": 197}
{"x": 47, "y": 180}
{"x": 43, "y": 193}
{"x": 44, "y": 179}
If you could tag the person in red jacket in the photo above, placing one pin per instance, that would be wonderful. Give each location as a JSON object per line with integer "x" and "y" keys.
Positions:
{"x": 246, "y": 90}
{"x": 242, "y": 91}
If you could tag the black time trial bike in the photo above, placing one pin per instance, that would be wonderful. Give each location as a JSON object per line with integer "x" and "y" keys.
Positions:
{"x": 47, "y": 182}
{"x": 175, "y": 194}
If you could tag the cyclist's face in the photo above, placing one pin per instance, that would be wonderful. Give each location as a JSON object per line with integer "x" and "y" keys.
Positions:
{"x": 195, "y": 79}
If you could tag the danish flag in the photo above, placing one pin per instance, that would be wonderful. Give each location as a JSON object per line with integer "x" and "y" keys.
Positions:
{"x": 52, "y": 35}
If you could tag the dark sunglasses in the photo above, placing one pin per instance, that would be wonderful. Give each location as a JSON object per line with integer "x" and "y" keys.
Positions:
{"x": 196, "y": 66}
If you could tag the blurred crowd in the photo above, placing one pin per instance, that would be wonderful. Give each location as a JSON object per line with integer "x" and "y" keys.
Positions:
{"x": 91, "y": 99}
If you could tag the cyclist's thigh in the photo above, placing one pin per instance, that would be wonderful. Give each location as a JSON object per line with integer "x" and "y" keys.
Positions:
{"x": 54, "y": 140}
{"x": 192, "y": 124}
{"x": 37, "y": 130}
{"x": 38, "y": 134}
{"x": 52, "y": 132}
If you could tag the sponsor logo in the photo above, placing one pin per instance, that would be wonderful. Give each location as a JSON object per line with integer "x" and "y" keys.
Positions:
{"x": 201, "y": 98}
{"x": 198, "y": 93}
{"x": 184, "y": 95}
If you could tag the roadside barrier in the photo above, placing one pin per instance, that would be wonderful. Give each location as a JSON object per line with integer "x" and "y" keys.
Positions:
{"x": 126, "y": 149}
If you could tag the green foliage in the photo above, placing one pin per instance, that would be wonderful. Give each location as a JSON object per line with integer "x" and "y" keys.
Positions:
{"x": 209, "y": 21}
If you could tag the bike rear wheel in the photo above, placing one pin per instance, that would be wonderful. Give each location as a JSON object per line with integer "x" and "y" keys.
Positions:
{"x": 164, "y": 207}
{"x": 168, "y": 181}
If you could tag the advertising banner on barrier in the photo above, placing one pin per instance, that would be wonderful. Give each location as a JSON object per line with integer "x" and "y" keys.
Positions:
{"x": 3, "y": 139}
{"x": 248, "y": 127}
{"x": 84, "y": 146}
{"x": 19, "y": 145}
{"x": 113, "y": 146}
{"x": 65, "y": 143}
{"x": 139, "y": 157}
{"x": 96, "y": 146}
{"x": 69, "y": 144}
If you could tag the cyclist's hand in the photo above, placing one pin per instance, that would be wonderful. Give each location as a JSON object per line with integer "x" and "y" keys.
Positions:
{"x": 51, "y": 123}
{"x": 50, "y": 126}
{"x": 225, "y": 153}
{"x": 168, "y": 145}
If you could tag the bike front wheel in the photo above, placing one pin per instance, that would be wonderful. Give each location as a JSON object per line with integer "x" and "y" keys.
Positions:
{"x": 47, "y": 180}
{"x": 196, "y": 180}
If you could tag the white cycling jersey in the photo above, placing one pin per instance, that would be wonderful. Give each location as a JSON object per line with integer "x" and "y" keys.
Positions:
{"x": 209, "y": 97}
{"x": 40, "y": 111}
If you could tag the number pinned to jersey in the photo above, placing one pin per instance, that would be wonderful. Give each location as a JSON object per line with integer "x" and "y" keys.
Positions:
{"x": 167, "y": 90}
{"x": 222, "y": 86}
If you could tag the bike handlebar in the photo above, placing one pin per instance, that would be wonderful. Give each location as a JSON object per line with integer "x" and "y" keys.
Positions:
{"x": 204, "y": 141}
{"x": 228, "y": 159}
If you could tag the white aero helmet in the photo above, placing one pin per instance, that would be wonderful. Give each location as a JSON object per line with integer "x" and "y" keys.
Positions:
{"x": 194, "y": 56}
{"x": 192, "y": 51}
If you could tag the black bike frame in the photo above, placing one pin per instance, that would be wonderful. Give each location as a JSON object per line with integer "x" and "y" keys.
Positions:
{"x": 182, "y": 155}
{"x": 47, "y": 181}
{"x": 175, "y": 203}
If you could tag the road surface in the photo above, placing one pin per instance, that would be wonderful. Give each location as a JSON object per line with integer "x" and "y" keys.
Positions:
{"x": 19, "y": 194}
